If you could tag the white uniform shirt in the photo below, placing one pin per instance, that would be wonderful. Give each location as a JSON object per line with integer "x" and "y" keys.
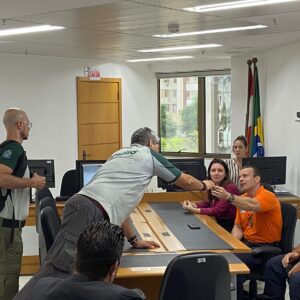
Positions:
{"x": 122, "y": 181}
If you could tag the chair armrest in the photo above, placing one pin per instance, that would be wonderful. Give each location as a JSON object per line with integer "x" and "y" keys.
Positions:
{"x": 266, "y": 250}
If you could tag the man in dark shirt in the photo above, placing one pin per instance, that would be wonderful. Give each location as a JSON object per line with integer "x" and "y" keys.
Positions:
{"x": 99, "y": 249}
{"x": 15, "y": 184}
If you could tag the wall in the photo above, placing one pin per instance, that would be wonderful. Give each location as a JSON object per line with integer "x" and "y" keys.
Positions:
{"x": 45, "y": 87}
{"x": 279, "y": 83}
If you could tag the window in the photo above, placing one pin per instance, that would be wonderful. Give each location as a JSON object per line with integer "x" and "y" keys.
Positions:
{"x": 195, "y": 113}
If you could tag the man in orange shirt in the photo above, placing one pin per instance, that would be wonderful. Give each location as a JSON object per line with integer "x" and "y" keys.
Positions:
{"x": 258, "y": 218}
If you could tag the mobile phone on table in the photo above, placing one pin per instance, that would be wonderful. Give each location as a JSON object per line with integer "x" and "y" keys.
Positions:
{"x": 194, "y": 226}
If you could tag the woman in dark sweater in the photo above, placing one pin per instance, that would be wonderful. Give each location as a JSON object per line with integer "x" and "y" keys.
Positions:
{"x": 221, "y": 209}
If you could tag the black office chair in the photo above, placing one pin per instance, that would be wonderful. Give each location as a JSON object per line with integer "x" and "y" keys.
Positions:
{"x": 49, "y": 201}
{"x": 46, "y": 202}
{"x": 196, "y": 276}
{"x": 69, "y": 184}
{"x": 49, "y": 225}
{"x": 286, "y": 244}
{"x": 39, "y": 195}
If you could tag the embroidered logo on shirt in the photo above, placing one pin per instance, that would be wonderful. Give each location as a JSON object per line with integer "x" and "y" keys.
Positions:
{"x": 7, "y": 154}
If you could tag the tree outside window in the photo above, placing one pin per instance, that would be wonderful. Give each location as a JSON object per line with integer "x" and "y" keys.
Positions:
{"x": 195, "y": 114}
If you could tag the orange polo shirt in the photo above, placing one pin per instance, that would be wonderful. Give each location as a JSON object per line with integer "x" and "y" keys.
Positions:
{"x": 264, "y": 226}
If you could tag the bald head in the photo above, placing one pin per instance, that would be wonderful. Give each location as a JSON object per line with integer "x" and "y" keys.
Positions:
{"x": 12, "y": 116}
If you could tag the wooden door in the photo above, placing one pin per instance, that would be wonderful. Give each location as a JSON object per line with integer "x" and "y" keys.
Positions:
{"x": 98, "y": 117}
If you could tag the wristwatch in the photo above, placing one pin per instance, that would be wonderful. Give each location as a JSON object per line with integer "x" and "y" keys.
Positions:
{"x": 231, "y": 198}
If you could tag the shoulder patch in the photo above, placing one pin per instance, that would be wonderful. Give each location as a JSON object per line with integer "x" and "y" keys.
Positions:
{"x": 7, "y": 154}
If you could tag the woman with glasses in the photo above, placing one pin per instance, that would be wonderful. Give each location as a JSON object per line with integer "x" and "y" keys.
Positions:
{"x": 221, "y": 209}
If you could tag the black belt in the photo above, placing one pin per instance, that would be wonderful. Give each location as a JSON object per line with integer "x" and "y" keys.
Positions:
{"x": 95, "y": 202}
{"x": 13, "y": 223}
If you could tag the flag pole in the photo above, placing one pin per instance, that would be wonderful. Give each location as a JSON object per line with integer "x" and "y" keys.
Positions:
{"x": 249, "y": 62}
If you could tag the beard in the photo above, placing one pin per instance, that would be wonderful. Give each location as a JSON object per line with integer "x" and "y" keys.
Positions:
{"x": 24, "y": 135}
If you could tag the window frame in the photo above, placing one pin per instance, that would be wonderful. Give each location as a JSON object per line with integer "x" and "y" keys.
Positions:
{"x": 201, "y": 110}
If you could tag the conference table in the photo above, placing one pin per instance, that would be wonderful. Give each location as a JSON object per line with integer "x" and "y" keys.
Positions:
{"x": 162, "y": 219}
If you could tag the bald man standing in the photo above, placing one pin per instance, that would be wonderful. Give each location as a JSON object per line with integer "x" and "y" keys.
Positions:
{"x": 14, "y": 198}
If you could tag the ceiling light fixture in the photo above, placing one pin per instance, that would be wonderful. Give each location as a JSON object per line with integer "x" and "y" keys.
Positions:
{"x": 233, "y": 5}
{"x": 180, "y": 48}
{"x": 202, "y": 32}
{"x": 31, "y": 29}
{"x": 159, "y": 58}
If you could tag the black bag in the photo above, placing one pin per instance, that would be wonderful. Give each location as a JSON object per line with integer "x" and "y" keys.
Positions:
{"x": 19, "y": 171}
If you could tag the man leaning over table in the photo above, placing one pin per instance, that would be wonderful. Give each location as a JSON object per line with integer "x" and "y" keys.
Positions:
{"x": 112, "y": 194}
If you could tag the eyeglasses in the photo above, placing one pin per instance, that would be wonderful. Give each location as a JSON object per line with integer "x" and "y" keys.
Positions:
{"x": 29, "y": 124}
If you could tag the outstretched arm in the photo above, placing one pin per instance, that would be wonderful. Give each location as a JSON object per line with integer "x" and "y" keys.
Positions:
{"x": 190, "y": 183}
{"x": 135, "y": 242}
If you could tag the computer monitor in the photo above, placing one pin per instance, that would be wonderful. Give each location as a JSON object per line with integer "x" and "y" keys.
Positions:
{"x": 86, "y": 169}
{"x": 191, "y": 166}
{"x": 43, "y": 167}
{"x": 273, "y": 169}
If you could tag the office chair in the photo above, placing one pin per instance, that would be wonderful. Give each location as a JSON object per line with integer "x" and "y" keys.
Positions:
{"x": 46, "y": 202}
{"x": 69, "y": 184}
{"x": 39, "y": 195}
{"x": 286, "y": 244}
{"x": 196, "y": 276}
{"x": 49, "y": 201}
{"x": 49, "y": 225}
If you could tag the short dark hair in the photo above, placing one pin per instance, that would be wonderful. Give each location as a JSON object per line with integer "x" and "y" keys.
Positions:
{"x": 256, "y": 171}
{"x": 242, "y": 139}
{"x": 143, "y": 136}
{"x": 99, "y": 246}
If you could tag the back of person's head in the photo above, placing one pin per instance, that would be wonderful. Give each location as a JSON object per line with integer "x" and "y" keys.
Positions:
{"x": 242, "y": 139}
{"x": 224, "y": 164}
{"x": 99, "y": 246}
{"x": 143, "y": 136}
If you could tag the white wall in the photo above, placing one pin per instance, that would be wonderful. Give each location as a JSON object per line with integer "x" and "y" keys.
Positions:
{"x": 45, "y": 87}
{"x": 279, "y": 83}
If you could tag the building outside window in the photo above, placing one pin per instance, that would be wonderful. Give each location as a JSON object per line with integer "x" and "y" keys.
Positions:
{"x": 195, "y": 113}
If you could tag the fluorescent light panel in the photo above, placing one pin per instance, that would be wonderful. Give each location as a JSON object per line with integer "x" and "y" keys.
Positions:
{"x": 180, "y": 48}
{"x": 202, "y": 32}
{"x": 159, "y": 58}
{"x": 31, "y": 29}
{"x": 233, "y": 5}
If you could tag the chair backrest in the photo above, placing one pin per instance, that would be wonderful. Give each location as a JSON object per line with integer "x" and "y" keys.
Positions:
{"x": 289, "y": 218}
{"x": 42, "y": 193}
{"x": 69, "y": 184}
{"x": 48, "y": 201}
{"x": 196, "y": 276}
{"x": 39, "y": 195}
{"x": 49, "y": 225}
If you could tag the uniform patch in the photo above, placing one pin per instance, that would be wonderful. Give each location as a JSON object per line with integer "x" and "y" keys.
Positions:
{"x": 7, "y": 154}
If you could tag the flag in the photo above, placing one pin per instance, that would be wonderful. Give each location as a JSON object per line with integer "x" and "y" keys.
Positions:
{"x": 257, "y": 138}
{"x": 248, "y": 124}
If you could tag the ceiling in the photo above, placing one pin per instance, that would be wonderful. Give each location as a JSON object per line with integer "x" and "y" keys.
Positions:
{"x": 112, "y": 31}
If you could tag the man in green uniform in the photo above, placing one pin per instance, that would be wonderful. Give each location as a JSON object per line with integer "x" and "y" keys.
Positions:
{"x": 15, "y": 183}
